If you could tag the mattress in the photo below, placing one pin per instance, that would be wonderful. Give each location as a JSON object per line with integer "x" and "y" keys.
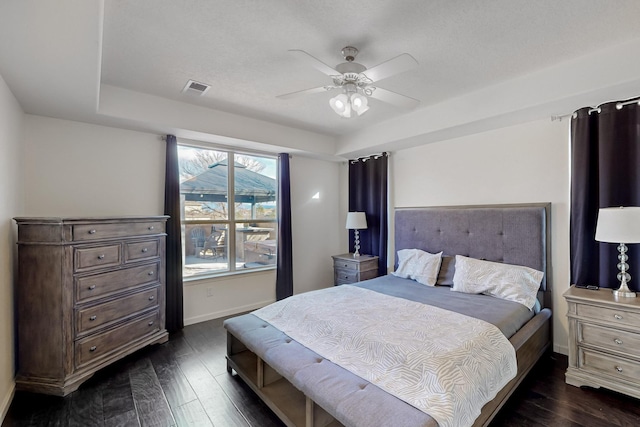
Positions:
{"x": 353, "y": 400}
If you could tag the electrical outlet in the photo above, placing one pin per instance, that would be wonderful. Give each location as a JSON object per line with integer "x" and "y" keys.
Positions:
{"x": 209, "y": 292}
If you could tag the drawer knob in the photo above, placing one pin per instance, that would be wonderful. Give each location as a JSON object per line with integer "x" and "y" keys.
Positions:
{"x": 151, "y": 298}
{"x": 346, "y": 265}
{"x": 92, "y": 231}
{"x": 617, "y": 317}
{"x": 92, "y": 287}
{"x": 93, "y": 348}
{"x": 92, "y": 318}
{"x": 150, "y": 273}
{"x": 150, "y": 322}
{"x": 618, "y": 368}
{"x": 101, "y": 256}
{"x": 151, "y": 227}
{"x": 145, "y": 250}
{"x": 618, "y": 341}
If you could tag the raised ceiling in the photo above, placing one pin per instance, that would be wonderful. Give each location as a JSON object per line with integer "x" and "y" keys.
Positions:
{"x": 76, "y": 58}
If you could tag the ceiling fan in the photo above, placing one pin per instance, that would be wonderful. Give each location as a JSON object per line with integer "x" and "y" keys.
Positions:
{"x": 357, "y": 82}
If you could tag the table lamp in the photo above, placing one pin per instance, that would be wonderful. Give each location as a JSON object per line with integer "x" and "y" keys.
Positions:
{"x": 356, "y": 221}
{"x": 620, "y": 225}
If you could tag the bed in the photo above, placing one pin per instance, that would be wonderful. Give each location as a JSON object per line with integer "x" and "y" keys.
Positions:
{"x": 306, "y": 389}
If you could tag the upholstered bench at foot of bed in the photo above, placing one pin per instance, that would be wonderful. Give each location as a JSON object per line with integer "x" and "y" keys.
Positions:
{"x": 354, "y": 400}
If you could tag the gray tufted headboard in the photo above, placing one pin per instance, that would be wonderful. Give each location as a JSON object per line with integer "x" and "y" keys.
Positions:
{"x": 513, "y": 234}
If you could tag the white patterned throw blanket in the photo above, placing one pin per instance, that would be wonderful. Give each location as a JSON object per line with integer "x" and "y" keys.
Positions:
{"x": 446, "y": 364}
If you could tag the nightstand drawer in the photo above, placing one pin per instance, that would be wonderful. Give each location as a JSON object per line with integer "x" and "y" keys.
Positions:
{"x": 345, "y": 276}
{"x": 611, "y": 316}
{"x": 609, "y": 338}
{"x": 611, "y": 366}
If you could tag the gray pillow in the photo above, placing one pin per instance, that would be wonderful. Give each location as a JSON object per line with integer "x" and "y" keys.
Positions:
{"x": 447, "y": 270}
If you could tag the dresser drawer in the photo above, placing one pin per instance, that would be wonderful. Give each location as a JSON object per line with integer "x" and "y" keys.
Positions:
{"x": 89, "y": 318}
{"x": 136, "y": 251}
{"x": 98, "y": 285}
{"x": 83, "y": 232}
{"x": 96, "y": 257}
{"x": 611, "y": 316}
{"x": 96, "y": 346}
{"x": 610, "y": 366}
{"x": 609, "y": 338}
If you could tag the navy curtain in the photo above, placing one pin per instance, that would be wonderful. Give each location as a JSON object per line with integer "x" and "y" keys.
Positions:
{"x": 605, "y": 172}
{"x": 174, "y": 305}
{"x": 368, "y": 193}
{"x": 284, "y": 274}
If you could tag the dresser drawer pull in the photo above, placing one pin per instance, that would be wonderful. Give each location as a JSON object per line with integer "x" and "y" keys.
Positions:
{"x": 618, "y": 341}
{"x": 145, "y": 250}
{"x": 151, "y": 298}
{"x": 617, "y": 317}
{"x": 151, "y": 227}
{"x": 92, "y": 287}
{"x": 93, "y": 348}
{"x": 618, "y": 368}
{"x": 92, "y": 318}
{"x": 150, "y": 273}
{"x": 151, "y": 323}
{"x": 101, "y": 256}
{"x": 346, "y": 265}
{"x": 92, "y": 231}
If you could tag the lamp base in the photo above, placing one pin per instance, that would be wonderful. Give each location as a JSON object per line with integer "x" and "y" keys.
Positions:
{"x": 623, "y": 293}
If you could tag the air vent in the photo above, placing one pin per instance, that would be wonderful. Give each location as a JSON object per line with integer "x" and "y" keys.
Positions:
{"x": 196, "y": 88}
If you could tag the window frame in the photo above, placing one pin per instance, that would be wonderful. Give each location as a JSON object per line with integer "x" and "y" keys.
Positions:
{"x": 231, "y": 222}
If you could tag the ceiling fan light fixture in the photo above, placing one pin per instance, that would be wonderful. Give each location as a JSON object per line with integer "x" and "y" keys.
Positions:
{"x": 359, "y": 103}
{"x": 341, "y": 105}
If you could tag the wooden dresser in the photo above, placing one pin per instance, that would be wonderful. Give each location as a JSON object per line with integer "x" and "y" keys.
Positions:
{"x": 604, "y": 340}
{"x": 350, "y": 269}
{"x": 90, "y": 291}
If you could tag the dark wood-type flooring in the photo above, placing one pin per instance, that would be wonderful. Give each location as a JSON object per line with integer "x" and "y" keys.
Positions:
{"x": 185, "y": 383}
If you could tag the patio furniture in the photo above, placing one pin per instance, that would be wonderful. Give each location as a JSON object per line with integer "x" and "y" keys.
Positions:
{"x": 199, "y": 239}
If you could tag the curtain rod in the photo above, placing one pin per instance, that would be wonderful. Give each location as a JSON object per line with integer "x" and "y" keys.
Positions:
{"x": 597, "y": 109}
{"x": 365, "y": 158}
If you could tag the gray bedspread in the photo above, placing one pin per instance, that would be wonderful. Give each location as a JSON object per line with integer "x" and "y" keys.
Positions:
{"x": 352, "y": 400}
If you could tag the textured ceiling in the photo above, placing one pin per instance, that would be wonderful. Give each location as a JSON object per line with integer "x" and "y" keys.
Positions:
{"x": 240, "y": 48}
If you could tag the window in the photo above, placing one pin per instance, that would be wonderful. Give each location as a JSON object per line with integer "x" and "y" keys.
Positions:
{"x": 229, "y": 211}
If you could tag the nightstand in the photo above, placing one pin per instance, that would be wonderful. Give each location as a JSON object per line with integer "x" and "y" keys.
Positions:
{"x": 604, "y": 341}
{"x": 350, "y": 269}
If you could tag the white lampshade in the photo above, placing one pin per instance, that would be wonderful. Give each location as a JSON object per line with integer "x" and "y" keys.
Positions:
{"x": 359, "y": 103}
{"x": 341, "y": 105}
{"x": 618, "y": 225}
{"x": 356, "y": 221}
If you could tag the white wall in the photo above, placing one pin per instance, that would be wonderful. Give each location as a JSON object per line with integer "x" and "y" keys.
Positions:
{"x": 11, "y": 204}
{"x": 77, "y": 169}
{"x": 520, "y": 164}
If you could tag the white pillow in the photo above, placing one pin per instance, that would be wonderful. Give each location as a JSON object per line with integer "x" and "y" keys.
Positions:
{"x": 418, "y": 265}
{"x": 510, "y": 282}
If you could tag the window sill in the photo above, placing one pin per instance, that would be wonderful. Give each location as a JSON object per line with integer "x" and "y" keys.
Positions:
{"x": 195, "y": 280}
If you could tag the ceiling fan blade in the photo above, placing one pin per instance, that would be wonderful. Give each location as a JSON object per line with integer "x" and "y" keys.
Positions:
{"x": 399, "y": 64}
{"x": 306, "y": 92}
{"x": 393, "y": 98}
{"x": 315, "y": 62}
